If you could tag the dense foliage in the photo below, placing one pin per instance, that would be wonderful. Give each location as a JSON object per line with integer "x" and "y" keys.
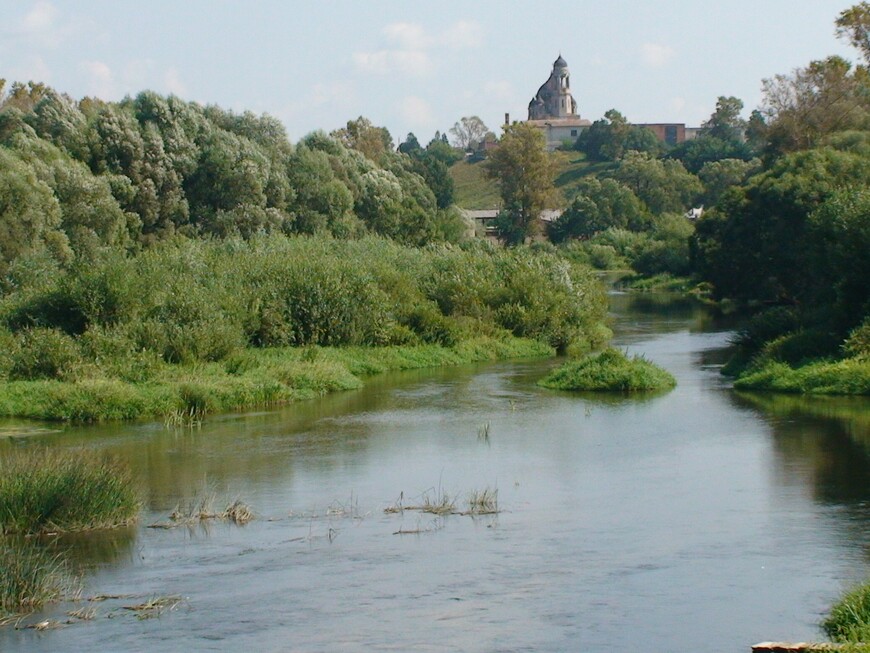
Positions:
{"x": 791, "y": 240}
{"x": 78, "y": 176}
{"x": 146, "y": 318}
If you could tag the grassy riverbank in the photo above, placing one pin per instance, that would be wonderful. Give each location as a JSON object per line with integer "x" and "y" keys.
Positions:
{"x": 849, "y": 619}
{"x": 248, "y": 379}
{"x": 609, "y": 371}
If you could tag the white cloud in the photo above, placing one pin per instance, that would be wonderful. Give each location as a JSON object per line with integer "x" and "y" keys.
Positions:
{"x": 41, "y": 26}
{"x": 464, "y": 34}
{"x": 384, "y": 62}
{"x": 412, "y": 56}
{"x": 101, "y": 81}
{"x": 655, "y": 55}
{"x": 417, "y": 112}
{"x": 408, "y": 35}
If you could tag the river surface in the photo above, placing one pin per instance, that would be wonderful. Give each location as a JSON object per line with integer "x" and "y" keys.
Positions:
{"x": 699, "y": 520}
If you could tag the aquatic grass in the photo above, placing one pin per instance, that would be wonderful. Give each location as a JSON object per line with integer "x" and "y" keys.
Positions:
{"x": 609, "y": 371}
{"x": 850, "y": 376}
{"x": 199, "y": 509}
{"x": 483, "y": 502}
{"x": 30, "y": 578}
{"x": 849, "y": 618}
{"x": 44, "y": 490}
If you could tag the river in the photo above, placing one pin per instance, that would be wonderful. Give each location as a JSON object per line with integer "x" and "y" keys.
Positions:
{"x": 697, "y": 520}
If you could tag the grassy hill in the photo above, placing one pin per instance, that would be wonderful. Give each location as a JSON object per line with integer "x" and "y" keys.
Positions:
{"x": 474, "y": 191}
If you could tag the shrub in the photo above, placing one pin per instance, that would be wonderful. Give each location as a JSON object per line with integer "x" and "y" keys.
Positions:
{"x": 43, "y": 354}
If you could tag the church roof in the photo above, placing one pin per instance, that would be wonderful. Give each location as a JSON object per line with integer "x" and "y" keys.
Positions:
{"x": 560, "y": 63}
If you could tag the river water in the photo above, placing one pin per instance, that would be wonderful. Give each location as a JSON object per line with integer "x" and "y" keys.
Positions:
{"x": 697, "y": 520}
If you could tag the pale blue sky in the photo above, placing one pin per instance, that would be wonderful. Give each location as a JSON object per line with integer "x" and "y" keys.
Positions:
{"x": 417, "y": 66}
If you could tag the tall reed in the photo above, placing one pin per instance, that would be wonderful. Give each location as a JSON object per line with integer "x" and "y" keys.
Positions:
{"x": 48, "y": 491}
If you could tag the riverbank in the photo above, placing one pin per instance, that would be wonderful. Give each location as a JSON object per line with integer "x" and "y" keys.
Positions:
{"x": 253, "y": 378}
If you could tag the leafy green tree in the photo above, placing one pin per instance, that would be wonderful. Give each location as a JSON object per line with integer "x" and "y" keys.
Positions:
{"x": 30, "y": 215}
{"x": 609, "y": 138}
{"x": 57, "y": 119}
{"x": 840, "y": 230}
{"x": 803, "y": 108}
{"x": 600, "y": 204}
{"x": 726, "y": 123}
{"x": 754, "y": 245}
{"x": 663, "y": 185}
{"x": 410, "y": 144}
{"x": 719, "y": 176}
{"x": 443, "y": 151}
{"x": 524, "y": 173}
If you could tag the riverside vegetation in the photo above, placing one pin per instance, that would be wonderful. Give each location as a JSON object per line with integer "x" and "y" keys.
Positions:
{"x": 190, "y": 327}
{"x": 49, "y": 492}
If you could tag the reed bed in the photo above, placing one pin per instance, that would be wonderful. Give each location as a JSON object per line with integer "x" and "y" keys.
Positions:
{"x": 30, "y": 578}
{"x": 44, "y": 491}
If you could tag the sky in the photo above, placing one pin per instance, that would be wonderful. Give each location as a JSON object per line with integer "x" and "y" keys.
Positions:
{"x": 417, "y": 66}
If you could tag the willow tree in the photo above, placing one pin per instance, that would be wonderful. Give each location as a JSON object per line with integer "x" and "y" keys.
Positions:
{"x": 524, "y": 173}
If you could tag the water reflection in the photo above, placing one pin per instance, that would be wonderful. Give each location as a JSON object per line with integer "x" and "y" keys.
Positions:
{"x": 695, "y": 520}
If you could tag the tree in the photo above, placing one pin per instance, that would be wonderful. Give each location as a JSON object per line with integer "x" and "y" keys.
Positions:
{"x": 524, "y": 173}
{"x": 611, "y": 137}
{"x": 410, "y": 144}
{"x": 664, "y": 186}
{"x": 854, "y": 24}
{"x": 726, "y": 123}
{"x": 362, "y": 136}
{"x": 719, "y": 176}
{"x": 599, "y": 205}
{"x": 443, "y": 151}
{"x": 469, "y": 132}
{"x": 803, "y": 108}
{"x": 755, "y": 245}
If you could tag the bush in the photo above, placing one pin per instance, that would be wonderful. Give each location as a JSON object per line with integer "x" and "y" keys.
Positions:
{"x": 43, "y": 354}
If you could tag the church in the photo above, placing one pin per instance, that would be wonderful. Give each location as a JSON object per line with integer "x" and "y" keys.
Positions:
{"x": 553, "y": 110}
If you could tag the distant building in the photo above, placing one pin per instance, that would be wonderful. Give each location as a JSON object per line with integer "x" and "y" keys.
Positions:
{"x": 671, "y": 133}
{"x": 554, "y": 110}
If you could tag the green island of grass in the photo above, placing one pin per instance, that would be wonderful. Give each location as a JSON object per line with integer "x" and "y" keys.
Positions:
{"x": 609, "y": 371}
{"x": 850, "y": 376}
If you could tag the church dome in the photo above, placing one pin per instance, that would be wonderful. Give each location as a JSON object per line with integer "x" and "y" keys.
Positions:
{"x": 560, "y": 63}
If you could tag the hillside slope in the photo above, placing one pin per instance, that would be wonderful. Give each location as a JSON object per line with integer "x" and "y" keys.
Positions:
{"x": 474, "y": 191}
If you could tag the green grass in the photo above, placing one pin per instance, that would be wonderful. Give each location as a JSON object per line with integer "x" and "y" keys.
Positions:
{"x": 849, "y": 618}
{"x": 50, "y": 491}
{"x": 850, "y": 376}
{"x": 609, "y": 371}
{"x": 249, "y": 379}
{"x": 473, "y": 190}
{"x": 30, "y": 577}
